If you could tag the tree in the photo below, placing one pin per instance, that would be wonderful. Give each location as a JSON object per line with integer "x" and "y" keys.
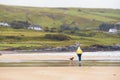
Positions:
{"x": 64, "y": 27}
{"x": 106, "y": 26}
{"x": 74, "y": 29}
{"x": 46, "y": 29}
{"x": 19, "y": 24}
{"x": 53, "y": 29}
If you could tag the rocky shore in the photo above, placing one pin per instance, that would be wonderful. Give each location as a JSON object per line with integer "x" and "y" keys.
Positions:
{"x": 72, "y": 48}
{"x": 102, "y": 48}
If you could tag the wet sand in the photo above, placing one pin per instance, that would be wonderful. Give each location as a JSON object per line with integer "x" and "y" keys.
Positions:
{"x": 53, "y": 57}
{"x": 56, "y": 59}
{"x": 59, "y": 73}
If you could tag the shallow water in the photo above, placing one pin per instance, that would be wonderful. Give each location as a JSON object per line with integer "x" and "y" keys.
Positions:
{"x": 57, "y": 63}
{"x": 99, "y": 53}
{"x": 113, "y": 59}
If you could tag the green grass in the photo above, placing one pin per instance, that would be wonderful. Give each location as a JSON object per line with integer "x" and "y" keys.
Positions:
{"x": 84, "y": 18}
{"x": 30, "y": 39}
{"x": 91, "y": 16}
{"x": 54, "y": 17}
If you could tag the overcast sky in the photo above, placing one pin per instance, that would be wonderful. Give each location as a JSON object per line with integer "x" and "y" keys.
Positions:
{"x": 65, "y": 3}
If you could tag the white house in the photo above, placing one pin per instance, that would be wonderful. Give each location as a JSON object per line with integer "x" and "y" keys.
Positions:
{"x": 35, "y": 27}
{"x": 112, "y": 30}
{"x": 4, "y": 24}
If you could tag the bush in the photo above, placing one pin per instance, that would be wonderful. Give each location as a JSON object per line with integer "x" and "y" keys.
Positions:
{"x": 59, "y": 37}
{"x": 13, "y": 37}
{"x": 87, "y": 34}
{"x": 19, "y": 24}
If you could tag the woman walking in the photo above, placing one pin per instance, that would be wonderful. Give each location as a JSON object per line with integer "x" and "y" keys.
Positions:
{"x": 79, "y": 54}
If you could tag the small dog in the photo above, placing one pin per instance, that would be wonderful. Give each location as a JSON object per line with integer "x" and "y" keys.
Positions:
{"x": 71, "y": 58}
{"x": 71, "y": 61}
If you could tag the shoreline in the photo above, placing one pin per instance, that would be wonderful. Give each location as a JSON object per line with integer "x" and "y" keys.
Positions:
{"x": 59, "y": 59}
{"x": 55, "y": 52}
{"x": 60, "y": 56}
{"x": 71, "y": 48}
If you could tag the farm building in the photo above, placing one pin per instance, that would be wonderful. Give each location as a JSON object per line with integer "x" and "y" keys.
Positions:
{"x": 112, "y": 30}
{"x": 4, "y": 24}
{"x": 35, "y": 27}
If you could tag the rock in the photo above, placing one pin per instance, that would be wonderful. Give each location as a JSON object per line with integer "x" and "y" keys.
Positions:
{"x": 72, "y": 48}
{"x": 102, "y": 48}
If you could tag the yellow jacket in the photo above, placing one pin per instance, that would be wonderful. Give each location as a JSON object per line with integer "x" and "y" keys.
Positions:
{"x": 78, "y": 51}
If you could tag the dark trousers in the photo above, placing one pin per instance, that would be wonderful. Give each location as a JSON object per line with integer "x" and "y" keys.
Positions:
{"x": 79, "y": 57}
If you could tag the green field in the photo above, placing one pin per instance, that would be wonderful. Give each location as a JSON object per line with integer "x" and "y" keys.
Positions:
{"x": 86, "y": 19}
{"x": 30, "y": 39}
{"x": 54, "y": 17}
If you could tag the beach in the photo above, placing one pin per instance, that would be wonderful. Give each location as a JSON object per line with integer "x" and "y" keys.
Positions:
{"x": 38, "y": 72}
{"x": 59, "y": 73}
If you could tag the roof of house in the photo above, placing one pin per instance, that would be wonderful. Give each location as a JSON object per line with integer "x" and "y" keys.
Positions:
{"x": 4, "y": 24}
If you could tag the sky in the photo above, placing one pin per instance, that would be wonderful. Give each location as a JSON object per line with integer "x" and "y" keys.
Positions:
{"x": 65, "y": 3}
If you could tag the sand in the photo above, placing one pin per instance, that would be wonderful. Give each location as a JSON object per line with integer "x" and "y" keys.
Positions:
{"x": 59, "y": 73}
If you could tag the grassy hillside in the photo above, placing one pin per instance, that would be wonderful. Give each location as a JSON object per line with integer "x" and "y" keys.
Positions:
{"x": 84, "y": 18}
{"x": 29, "y": 39}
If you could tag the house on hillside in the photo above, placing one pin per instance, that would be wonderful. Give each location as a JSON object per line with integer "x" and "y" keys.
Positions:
{"x": 115, "y": 29}
{"x": 112, "y": 30}
{"x": 35, "y": 27}
{"x": 109, "y": 27}
{"x": 4, "y": 24}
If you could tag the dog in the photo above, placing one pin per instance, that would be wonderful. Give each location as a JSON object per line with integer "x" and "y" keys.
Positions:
{"x": 71, "y": 61}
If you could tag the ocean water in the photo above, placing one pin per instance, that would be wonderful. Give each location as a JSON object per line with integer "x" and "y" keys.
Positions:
{"x": 102, "y": 53}
{"x": 106, "y": 58}
{"x": 99, "y": 53}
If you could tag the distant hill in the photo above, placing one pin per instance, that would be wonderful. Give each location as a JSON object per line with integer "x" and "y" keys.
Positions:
{"x": 84, "y": 18}
{"x": 75, "y": 24}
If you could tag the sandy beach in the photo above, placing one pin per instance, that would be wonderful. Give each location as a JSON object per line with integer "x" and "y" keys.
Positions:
{"x": 58, "y": 59}
{"x": 59, "y": 73}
